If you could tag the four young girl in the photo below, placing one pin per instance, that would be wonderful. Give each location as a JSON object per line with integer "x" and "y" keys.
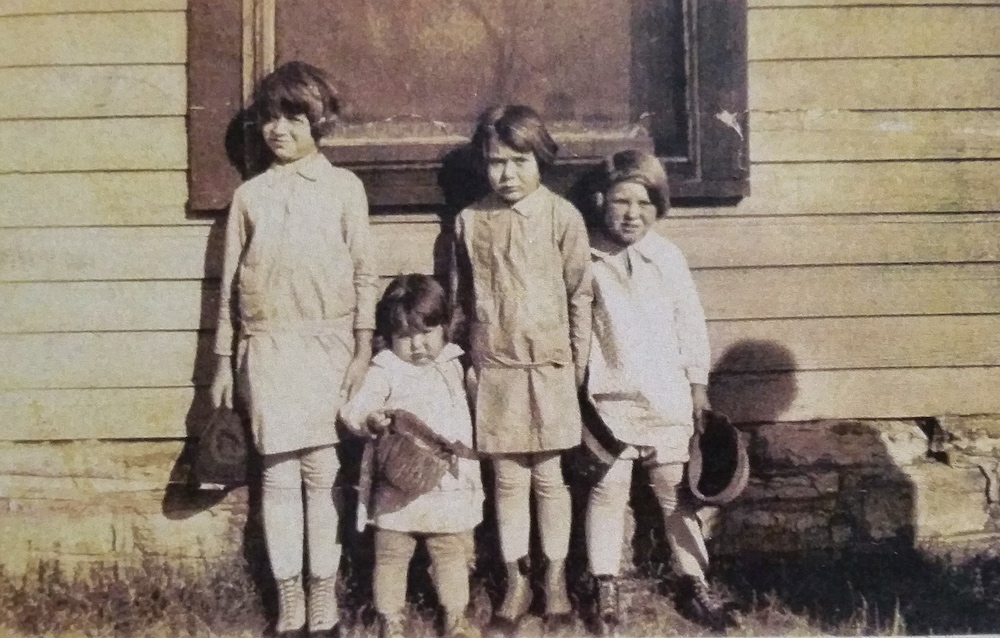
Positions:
{"x": 296, "y": 319}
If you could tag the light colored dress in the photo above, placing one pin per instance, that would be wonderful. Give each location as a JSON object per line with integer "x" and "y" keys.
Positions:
{"x": 522, "y": 282}
{"x": 296, "y": 282}
{"x": 435, "y": 393}
{"x": 650, "y": 344}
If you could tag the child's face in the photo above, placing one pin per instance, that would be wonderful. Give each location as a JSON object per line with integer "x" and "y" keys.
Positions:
{"x": 513, "y": 175}
{"x": 289, "y": 137}
{"x": 629, "y": 213}
{"x": 420, "y": 347}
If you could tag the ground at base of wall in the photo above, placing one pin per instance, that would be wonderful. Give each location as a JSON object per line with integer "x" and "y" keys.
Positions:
{"x": 883, "y": 590}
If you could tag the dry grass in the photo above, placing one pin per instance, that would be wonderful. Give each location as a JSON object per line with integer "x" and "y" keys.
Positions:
{"x": 889, "y": 592}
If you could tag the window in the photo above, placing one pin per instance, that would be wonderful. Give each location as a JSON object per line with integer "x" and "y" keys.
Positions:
{"x": 663, "y": 75}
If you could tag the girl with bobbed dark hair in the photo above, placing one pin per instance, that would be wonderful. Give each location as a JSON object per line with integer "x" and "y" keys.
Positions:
{"x": 296, "y": 315}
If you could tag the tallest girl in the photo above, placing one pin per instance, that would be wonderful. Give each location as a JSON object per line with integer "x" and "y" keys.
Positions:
{"x": 523, "y": 300}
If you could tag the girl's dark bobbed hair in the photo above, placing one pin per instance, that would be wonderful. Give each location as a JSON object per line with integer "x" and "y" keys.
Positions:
{"x": 518, "y": 127}
{"x": 410, "y": 303}
{"x": 297, "y": 88}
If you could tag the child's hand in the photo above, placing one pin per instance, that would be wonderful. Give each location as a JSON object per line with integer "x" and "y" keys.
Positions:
{"x": 700, "y": 404}
{"x": 355, "y": 374}
{"x": 222, "y": 383}
{"x": 377, "y": 422}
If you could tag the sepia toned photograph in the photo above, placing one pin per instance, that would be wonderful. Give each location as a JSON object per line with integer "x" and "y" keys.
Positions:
{"x": 499, "y": 318}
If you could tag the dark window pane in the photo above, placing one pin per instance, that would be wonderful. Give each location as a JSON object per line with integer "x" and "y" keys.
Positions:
{"x": 420, "y": 71}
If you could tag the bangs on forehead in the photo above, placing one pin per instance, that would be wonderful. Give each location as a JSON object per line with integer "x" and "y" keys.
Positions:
{"x": 289, "y": 101}
{"x": 513, "y": 136}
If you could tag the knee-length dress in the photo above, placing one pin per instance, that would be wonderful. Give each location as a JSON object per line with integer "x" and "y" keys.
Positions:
{"x": 522, "y": 285}
{"x": 297, "y": 281}
{"x": 650, "y": 344}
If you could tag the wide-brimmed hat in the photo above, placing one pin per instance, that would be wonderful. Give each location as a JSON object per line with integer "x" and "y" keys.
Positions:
{"x": 719, "y": 466}
{"x": 223, "y": 451}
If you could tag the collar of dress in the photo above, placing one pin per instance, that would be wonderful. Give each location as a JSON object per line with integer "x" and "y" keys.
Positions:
{"x": 387, "y": 359}
{"x": 643, "y": 248}
{"x": 527, "y": 207}
{"x": 310, "y": 167}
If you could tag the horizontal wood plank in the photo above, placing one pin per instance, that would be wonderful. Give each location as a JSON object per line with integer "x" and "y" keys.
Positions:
{"x": 194, "y": 252}
{"x": 106, "y": 360}
{"x": 824, "y": 136}
{"x": 857, "y": 394}
{"x": 870, "y": 187}
{"x": 858, "y": 342}
{"x": 793, "y": 396}
{"x": 131, "y": 198}
{"x": 178, "y": 359}
{"x": 48, "y": 7}
{"x": 93, "y": 38}
{"x": 131, "y": 144}
{"x": 765, "y": 4}
{"x": 178, "y": 252}
{"x": 92, "y": 91}
{"x": 726, "y": 294}
{"x": 736, "y": 242}
{"x": 841, "y": 291}
{"x": 147, "y": 413}
{"x": 880, "y": 84}
{"x": 107, "y": 306}
{"x": 863, "y": 32}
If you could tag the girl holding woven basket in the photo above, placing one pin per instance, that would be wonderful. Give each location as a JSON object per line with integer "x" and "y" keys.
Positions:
{"x": 296, "y": 314}
{"x": 420, "y": 480}
{"x": 522, "y": 286}
{"x": 648, "y": 376}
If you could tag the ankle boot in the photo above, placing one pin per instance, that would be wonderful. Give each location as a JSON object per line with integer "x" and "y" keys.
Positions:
{"x": 322, "y": 608}
{"x": 701, "y": 604}
{"x": 557, "y": 603}
{"x": 391, "y": 626}
{"x": 457, "y": 625}
{"x": 518, "y": 597}
{"x": 608, "y": 604}
{"x": 291, "y": 607}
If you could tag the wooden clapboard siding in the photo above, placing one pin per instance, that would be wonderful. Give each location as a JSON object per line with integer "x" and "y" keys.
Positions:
{"x": 93, "y": 38}
{"x": 107, "y": 306}
{"x": 802, "y": 396}
{"x": 866, "y": 187}
{"x": 107, "y": 360}
{"x": 191, "y": 252}
{"x": 100, "y": 414}
{"x": 845, "y": 291}
{"x": 745, "y": 293}
{"x": 129, "y": 198}
{"x": 168, "y": 252}
{"x": 92, "y": 91}
{"x": 875, "y": 84}
{"x": 873, "y": 31}
{"x": 867, "y": 256}
{"x": 808, "y": 136}
{"x": 141, "y": 198}
{"x": 857, "y": 394}
{"x": 727, "y": 294}
{"x": 48, "y": 146}
{"x": 766, "y": 4}
{"x": 175, "y": 358}
{"x": 49, "y": 7}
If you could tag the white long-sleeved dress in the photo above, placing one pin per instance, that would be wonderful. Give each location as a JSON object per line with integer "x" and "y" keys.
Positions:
{"x": 435, "y": 393}
{"x": 650, "y": 343}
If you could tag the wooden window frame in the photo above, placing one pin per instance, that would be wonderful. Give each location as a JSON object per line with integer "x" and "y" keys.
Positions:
{"x": 231, "y": 44}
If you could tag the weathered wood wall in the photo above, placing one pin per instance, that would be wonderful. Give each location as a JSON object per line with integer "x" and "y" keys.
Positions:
{"x": 863, "y": 271}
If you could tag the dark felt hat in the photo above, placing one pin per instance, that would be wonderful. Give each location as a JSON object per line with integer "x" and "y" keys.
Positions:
{"x": 223, "y": 451}
{"x": 719, "y": 467}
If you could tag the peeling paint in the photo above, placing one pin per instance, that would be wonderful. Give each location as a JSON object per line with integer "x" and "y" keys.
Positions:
{"x": 730, "y": 120}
